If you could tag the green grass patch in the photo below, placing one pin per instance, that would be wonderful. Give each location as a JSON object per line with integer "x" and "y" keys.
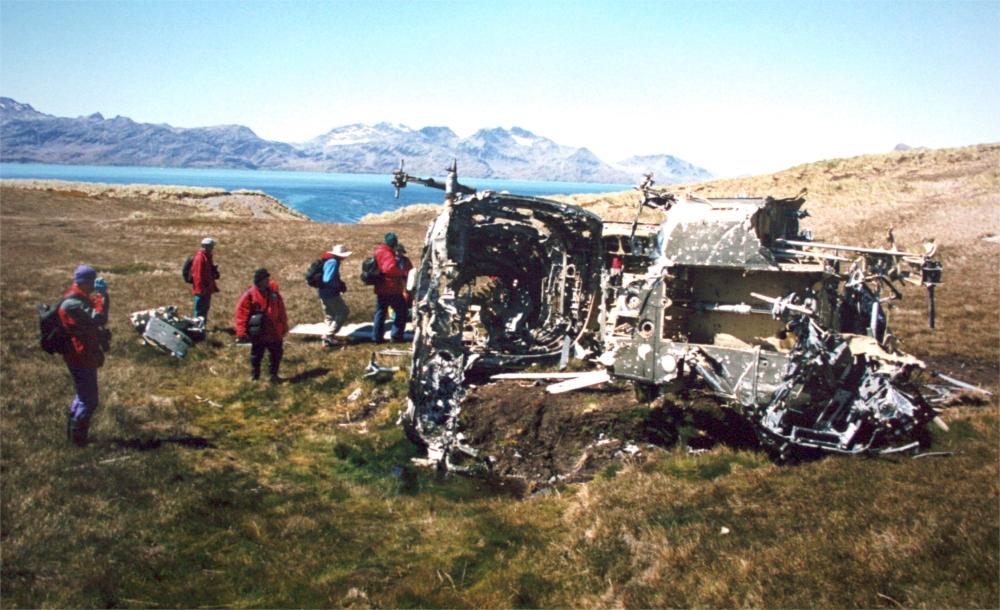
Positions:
{"x": 708, "y": 466}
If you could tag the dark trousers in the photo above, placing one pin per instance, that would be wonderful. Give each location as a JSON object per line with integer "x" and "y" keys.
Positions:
{"x": 84, "y": 404}
{"x": 202, "y": 303}
{"x": 400, "y": 315}
{"x": 276, "y": 349}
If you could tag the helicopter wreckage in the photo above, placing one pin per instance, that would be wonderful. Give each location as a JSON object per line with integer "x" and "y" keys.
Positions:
{"x": 728, "y": 294}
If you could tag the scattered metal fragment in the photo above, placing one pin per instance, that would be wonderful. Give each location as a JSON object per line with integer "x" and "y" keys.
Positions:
{"x": 163, "y": 329}
{"x": 377, "y": 371}
{"x": 960, "y": 384}
{"x": 725, "y": 293}
{"x": 934, "y": 454}
{"x": 586, "y": 380}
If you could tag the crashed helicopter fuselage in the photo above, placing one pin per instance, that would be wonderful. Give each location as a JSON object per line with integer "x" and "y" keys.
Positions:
{"x": 725, "y": 293}
{"x": 504, "y": 281}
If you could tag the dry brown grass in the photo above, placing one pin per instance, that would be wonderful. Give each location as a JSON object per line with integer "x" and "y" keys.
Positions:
{"x": 204, "y": 490}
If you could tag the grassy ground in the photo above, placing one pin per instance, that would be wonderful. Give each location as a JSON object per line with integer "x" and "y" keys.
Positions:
{"x": 202, "y": 489}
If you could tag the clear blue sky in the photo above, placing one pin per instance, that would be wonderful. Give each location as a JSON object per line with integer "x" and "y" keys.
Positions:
{"x": 736, "y": 87}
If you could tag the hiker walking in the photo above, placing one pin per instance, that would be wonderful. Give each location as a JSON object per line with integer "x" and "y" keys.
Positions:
{"x": 260, "y": 319}
{"x": 330, "y": 289}
{"x": 203, "y": 276}
{"x": 390, "y": 288}
{"x": 83, "y": 313}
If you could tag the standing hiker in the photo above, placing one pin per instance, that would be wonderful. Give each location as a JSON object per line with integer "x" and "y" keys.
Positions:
{"x": 203, "y": 276}
{"x": 390, "y": 288}
{"x": 260, "y": 319}
{"x": 83, "y": 313}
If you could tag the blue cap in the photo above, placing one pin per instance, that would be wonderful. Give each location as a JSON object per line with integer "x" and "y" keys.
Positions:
{"x": 390, "y": 239}
{"x": 84, "y": 274}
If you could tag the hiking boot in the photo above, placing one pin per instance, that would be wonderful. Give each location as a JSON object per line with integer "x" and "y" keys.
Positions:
{"x": 275, "y": 379}
{"x": 78, "y": 432}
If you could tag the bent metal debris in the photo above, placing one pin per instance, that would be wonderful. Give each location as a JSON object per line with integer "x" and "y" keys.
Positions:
{"x": 727, "y": 294}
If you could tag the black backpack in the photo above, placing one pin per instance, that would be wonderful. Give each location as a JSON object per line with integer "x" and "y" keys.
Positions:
{"x": 370, "y": 273}
{"x": 186, "y": 270}
{"x": 256, "y": 321}
{"x": 52, "y": 334}
{"x": 314, "y": 274}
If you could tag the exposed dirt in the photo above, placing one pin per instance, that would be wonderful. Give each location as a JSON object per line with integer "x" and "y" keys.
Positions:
{"x": 543, "y": 438}
{"x": 535, "y": 439}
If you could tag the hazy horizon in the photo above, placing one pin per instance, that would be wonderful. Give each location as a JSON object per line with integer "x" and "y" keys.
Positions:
{"x": 734, "y": 87}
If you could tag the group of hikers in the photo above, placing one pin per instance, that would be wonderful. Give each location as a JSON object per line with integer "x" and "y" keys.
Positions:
{"x": 260, "y": 318}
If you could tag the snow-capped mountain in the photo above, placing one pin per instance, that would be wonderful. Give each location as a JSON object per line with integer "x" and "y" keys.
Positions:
{"x": 29, "y": 136}
{"x": 666, "y": 169}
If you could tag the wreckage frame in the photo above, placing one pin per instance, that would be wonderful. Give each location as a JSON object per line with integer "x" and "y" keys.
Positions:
{"x": 728, "y": 294}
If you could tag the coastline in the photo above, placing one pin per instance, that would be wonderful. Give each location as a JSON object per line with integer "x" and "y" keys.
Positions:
{"x": 206, "y": 200}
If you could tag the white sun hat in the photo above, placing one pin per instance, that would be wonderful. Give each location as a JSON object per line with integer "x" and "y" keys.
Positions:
{"x": 340, "y": 251}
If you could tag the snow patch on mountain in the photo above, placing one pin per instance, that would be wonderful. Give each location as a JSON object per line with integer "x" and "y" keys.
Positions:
{"x": 29, "y": 136}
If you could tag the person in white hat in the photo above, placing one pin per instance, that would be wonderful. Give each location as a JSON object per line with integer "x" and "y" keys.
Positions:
{"x": 204, "y": 272}
{"x": 330, "y": 289}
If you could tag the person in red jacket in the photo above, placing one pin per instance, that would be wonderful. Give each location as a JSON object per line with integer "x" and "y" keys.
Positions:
{"x": 390, "y": 290}
{"x": 203, "y": 276}
{"x": 261, "y": 319}
{"x": 83, "y": 313}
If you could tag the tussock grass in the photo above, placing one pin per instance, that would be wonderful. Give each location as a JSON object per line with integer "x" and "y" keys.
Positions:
{"x": 202, "y": 489}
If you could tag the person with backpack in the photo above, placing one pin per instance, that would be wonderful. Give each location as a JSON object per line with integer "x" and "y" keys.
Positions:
{"x": 329, "y": 287}
{"x": 203, "y": 276}
{"x": 83, "y": 313}
{"x": 261, "y": 319}
{"x": 403, "y": 262}
{"x": 390, "y": 289}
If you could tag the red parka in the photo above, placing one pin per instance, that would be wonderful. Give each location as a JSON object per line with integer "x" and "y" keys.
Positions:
{"x": 393, "y": 280}
{"x": 82, "y": 316}
{"x": 203, "y": 273}
{"x": 275, "y": 319}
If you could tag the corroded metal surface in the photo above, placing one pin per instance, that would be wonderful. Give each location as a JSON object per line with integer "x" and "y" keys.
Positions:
{"x": 728, "y": 294}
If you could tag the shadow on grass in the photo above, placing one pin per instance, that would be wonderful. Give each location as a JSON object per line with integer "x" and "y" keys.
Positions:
{"x": 148, "y": 444}
{"x": 306, "y": 375}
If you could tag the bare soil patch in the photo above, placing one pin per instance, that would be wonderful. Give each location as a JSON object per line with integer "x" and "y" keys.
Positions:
{"x": 543, "y": 439}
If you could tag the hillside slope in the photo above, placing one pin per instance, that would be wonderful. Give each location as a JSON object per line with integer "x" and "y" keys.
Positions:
{"x": 204, "y": 489}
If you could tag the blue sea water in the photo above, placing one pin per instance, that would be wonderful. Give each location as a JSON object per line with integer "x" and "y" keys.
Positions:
{"x": 321, "y": 197}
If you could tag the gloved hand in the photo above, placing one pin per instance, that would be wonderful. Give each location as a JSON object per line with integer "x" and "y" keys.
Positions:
{"x": 101, "y": 286}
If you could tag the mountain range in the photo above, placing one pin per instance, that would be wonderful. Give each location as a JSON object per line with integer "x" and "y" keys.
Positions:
{"x": 29, "y": 136}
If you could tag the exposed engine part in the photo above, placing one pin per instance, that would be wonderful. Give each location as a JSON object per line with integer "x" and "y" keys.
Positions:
{"x": 728, "y": 293}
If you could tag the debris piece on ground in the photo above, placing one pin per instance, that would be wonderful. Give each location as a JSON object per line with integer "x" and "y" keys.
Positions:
{"x": 356, "y": 333}
{"x": 163, "y": 329}
{"x": 582, "y": 380}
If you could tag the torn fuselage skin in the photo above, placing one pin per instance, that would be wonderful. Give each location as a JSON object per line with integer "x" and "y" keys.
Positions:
{"x": 793, "y": 364}
{"x": 726, "y": 293}
{"x": 504, "y": 281}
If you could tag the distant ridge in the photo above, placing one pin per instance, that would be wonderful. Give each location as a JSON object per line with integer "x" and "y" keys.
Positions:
{"x": 29, "y": 136}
